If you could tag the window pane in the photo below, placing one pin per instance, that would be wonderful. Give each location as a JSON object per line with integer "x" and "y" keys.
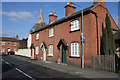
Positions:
{"x": 75, "y": 51}
{"x": 74, "y": 25}
{"x": 51, "y": 32}
{"x": 51, "y": 50}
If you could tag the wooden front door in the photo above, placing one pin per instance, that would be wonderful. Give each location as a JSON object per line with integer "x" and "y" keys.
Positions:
{"x": 64, "y": 55}
{"x": 44, "y": 54}
{"x": 33, "y": 53}
{"x": 8, "y": 49}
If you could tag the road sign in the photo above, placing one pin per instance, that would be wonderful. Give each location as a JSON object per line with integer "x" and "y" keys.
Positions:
{"x": 83, "y": 39}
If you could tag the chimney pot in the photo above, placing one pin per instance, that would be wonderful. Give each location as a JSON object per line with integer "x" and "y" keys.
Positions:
{"x": 55, "y": 13}
{"x": 51, "y": 12}
{"x": 31, "y": 31}
{"x": 68, "y": 3}
{"x": 16, "y": 36}
{"x": 71, "y": 4}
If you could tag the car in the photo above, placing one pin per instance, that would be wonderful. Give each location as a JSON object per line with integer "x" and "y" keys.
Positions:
{"x": 11, "y": 53}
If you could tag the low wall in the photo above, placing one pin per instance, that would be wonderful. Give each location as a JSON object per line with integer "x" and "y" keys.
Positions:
{"x": 23, "y": 52}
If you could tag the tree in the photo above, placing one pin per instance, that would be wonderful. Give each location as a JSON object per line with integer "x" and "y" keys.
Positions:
{"x": 108, "y": 42}
{"x": 23, "y": 43}
{"x": 38, "y": 26}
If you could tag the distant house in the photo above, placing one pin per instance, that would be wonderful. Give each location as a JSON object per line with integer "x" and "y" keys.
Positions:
{"x": 8, "y": 44}
{"x": 60, "y": 40}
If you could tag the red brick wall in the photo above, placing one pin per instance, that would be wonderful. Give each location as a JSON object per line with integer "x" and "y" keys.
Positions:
{"x": 101, "y": 13}
{"x": 63, "y": 31}
{"x": 11, "y": 46}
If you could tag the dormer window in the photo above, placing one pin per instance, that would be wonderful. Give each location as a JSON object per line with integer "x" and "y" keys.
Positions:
{"x": 75, "y": 25}
{"x": 51, "y": 32}
{"x": 37, "y": 36}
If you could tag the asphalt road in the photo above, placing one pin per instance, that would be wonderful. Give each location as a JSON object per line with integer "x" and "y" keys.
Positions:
{"x": 13, "y": 68}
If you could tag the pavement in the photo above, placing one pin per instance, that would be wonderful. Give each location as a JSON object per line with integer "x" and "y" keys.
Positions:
{"x": 70, "y": 69}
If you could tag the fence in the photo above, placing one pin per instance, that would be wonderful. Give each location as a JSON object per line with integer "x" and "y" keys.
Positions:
{"x": 104, "y": 62}
{"x": 23, "y": 52}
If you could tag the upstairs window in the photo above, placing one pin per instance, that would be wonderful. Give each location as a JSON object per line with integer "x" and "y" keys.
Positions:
{"x": 15, "y": 44}
{"x": 75, "y": 25}
{"x": 75, "y": 49}
{"x": 51, "y": 32}
{"x": 37, "y": 36}
{"x": 9, "y": 43}
{"x": 3, "y": 43}
{"x": 50, "y": 50}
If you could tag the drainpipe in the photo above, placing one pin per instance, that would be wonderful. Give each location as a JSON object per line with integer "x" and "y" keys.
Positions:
{"x": 82, "y": 43}
{"x": 97, "y": 34}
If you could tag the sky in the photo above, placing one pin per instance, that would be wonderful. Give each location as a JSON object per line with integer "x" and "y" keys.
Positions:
{"x": 18, "y": 18}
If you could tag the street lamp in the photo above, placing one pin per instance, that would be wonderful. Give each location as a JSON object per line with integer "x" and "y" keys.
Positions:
{"x": 81, "y": 35}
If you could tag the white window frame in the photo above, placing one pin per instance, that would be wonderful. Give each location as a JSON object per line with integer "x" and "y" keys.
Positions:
{"x": 75, "y": 49}
{"x": 75, "y": 25}
{"x": 14, "y": 49}
{"x": 15, "y": 43}
{"x": 50, "y": 50}
{"x": 51, "y": 32}
{"x": 37, "y": 49}
{"x": 37, "y": 36}
{"x": 9, "y": 44}
{"x": 2, "y": 49}
{"x": 3, "y": 43}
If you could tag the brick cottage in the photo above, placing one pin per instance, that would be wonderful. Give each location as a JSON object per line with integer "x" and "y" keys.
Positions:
{"x": 8, "y": 44}
{"x": 60, "y": 40}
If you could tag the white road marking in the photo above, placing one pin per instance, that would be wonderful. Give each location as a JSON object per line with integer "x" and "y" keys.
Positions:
{"x": 24, "y": 73}
{"x": 2, "y": 59}
{"x": 8, "y": 63}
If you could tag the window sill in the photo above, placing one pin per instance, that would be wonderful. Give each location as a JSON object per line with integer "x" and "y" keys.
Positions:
{"x": 75, "y": 30}
{"x": 51, "y": 36}
{"x": 37, "y": 39}
{"x": 74, "y": 56}
{"x": 50, "y": 55}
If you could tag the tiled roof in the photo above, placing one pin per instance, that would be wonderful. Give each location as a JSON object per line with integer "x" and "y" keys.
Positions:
{"x": 8, "y": 39}
{"x": 65, "y": 18}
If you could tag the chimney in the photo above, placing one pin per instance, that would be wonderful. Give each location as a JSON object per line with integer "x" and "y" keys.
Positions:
{"x": 31, "y": 31}
{"x": 52, "y": 17}
{"x": 69, "y": 9}
{"x": 102, "y": 2}
{"x": 16, "y": 36}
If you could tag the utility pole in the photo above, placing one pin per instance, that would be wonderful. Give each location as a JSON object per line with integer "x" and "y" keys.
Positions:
{"x": 82, "y": 38}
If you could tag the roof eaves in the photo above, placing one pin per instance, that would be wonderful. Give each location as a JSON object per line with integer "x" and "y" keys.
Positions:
{"x": 72, "y": 15}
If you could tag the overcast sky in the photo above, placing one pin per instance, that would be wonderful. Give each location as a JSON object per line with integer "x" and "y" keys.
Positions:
{"x": 20, "y": 17}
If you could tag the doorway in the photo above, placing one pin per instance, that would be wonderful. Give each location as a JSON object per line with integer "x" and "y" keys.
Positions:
{"x": 64, "y": 55}
{"x": 8, "y": 49}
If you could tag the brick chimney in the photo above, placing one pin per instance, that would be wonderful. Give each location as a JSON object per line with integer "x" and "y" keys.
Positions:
{"x": 31, "y": 31}
{"x": 52, "y": 17}
{"x": 102, "y": 2}
{"x": 16, "y": 36}
{"x": 69, "y": 9}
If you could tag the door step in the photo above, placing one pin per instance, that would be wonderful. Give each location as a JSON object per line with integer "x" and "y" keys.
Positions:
{"x": 63, "y": 64}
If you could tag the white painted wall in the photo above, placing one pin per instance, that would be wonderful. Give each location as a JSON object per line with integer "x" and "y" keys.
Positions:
{"x": 23, "y": 52}
{"x": 29, "y": 41}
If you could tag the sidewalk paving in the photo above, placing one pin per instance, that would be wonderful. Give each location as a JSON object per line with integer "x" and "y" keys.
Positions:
{"x": 74, "y": 70}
